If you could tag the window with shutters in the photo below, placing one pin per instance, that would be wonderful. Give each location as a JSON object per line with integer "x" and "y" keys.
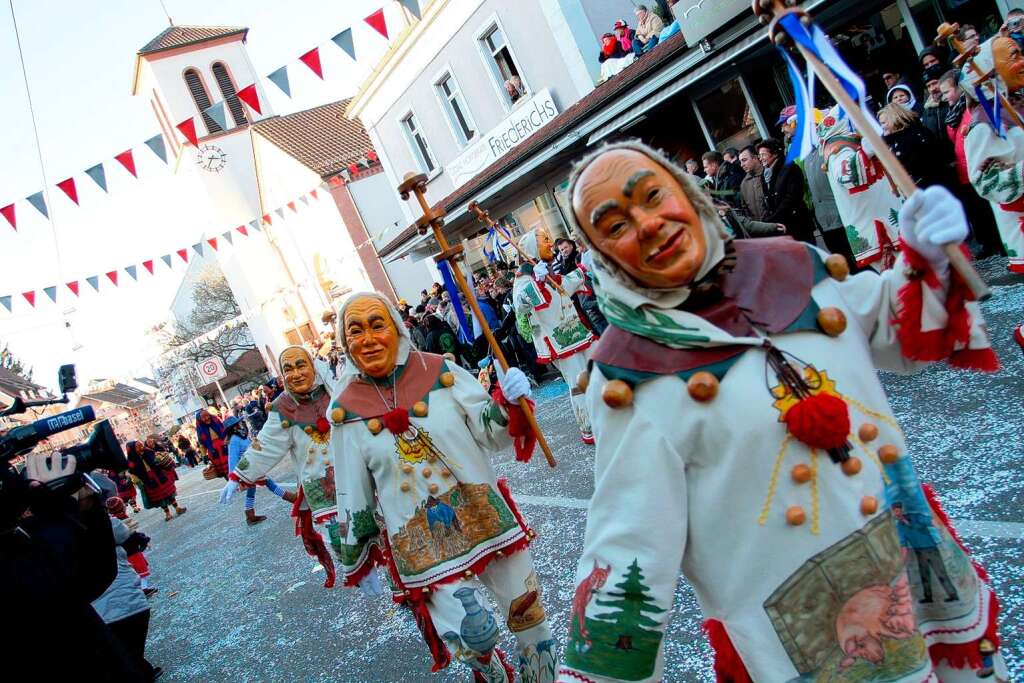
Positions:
{"x": 454, "y": 106}
{"x": 228, "y": 92}
{"x": 201, "y": 98}
{"x": 418, "y": 143}
{"x": 502, "y": 63}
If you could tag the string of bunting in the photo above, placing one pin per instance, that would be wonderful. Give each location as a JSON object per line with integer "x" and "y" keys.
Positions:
{"x": 216, "y": 111}
{"x": 149, "y": 265}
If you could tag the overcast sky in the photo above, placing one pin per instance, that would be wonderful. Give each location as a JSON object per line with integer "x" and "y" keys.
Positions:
{"x": 79, "y": 57}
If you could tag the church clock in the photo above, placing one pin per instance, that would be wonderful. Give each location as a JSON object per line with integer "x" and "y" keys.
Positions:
{"x": 211, "y": 158}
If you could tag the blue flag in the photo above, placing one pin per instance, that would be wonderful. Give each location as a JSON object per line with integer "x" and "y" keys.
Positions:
{"x": 156, "y": 143}
{"x": 131, "y": 270}
{"x": 465, "y": 331}
{"x": 94, "y": 282}
{"x": 6, "y": 301}
{"x": 98, "y": 175}
{"x": 217, "y": 112}
{"x": 344, "y": 41}
{"x": 166, "y": 258}
{"x": 280, "y": 79}
{"x": 37, "y": 201}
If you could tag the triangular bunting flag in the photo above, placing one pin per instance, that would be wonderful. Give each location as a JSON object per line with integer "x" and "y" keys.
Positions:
{"x": 183, "y": 253}
{"x": 412, "y": 5}
{"x": 128, "y": 161}
{"x": 291, "y": 205}
{"x": 218, "y": 113}
{"x": 98, "y": 175}
{"x": 198, "y": 248}
{"x": 148, "y": 265}
{"x": 376, "y": 21}
{"x": 166, "y": 258}
{"x": 73, "y": 286}
{"x": 156, "y": 143}
{"x": 51, "y": 292}
{"x": 39, "y": 202}
{"x": 255, "y": 225}
{"x": 280, "y": 213}
{"x": 30, "y": 297}
{"x": 241, "y": 229}
{"x": 132, "y": 270}
{"x": 68, "y": 186}
{"x": 249, "y": 95}
{"x": 6, "y": 301}
{"x": 227, "y": 236}
{"x": 8, "y": 212}
{"x": 305, "y": 200}
{"x": 94, "y": 282}
{"x": 112, "y": 276}
{"x": 188, "y": 129}
{"x": 313, "y": 193}
{"x": 280, "y": 79}
{"x": 213, "y": 243}
{"x": 266, "y": 219}
{"x": 344, "y": 41}
{"x": 312, "y": 60}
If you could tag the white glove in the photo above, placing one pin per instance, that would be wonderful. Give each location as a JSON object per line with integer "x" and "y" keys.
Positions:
{"x": 228, "y": 491}
{"x": 540, "y": 271}
{"x": 370, "y": 585}
{"x": 868, "y": 148}
{"x": 515, "y": 385}
{"x": 929, "y": 219}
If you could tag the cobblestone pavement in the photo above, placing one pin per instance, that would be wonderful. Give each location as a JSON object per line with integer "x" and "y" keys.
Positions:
{"x": 245, "y": 603}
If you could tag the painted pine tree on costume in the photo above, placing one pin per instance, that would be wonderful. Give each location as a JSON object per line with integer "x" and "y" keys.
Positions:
{"x": 625, "y": 639}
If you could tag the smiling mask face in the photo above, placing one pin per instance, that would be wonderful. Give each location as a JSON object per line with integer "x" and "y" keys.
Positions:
{"x": 371, "y": 337}
{"x": 637, "y": 214}
{"x": 1009, "y": 62}
{"x": 298, "y": 370}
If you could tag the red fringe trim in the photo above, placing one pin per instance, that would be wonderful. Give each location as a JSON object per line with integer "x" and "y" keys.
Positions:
{"x": 312, "y": 541}
{"x": 374, "y": 558}
{"x": 234, "y": 477}
{"x": 506, "y": 493}
{"x": 729, "y": 667}
{"x": 524, "y": 441}
{"x": 937, "y": 344}
{"x": 509, "y": 671}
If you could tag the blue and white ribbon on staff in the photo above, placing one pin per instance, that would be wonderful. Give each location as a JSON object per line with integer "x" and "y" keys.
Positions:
{"x": 993, "y": 109}
{"x": 465, "y": 331}
{"x": 805, "y": 138}
{"x": 495, "y": 245}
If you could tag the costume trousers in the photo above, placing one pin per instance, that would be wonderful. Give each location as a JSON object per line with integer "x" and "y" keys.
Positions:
{"x": 463, "y": 617}
{"x": 132, "y": 632}
{"x": 571, "y": 367}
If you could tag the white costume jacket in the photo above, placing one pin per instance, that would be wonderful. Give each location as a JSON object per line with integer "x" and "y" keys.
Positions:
{"x": 996, "y": 168}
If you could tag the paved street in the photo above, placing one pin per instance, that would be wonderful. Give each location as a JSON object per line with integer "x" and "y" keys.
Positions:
{"x": 246, "y": 604}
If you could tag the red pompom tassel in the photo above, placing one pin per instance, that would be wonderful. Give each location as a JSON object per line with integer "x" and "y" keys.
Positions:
{"x": 524, "y": 440}
{"x": 397, "y": 420}
{"x": 322, "y": 425}
{"x": 729, "y": 668}
{"x": 820, "y": 421}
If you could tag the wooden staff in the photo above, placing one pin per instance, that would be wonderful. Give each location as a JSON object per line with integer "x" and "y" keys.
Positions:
{"x": 947, "y": 33}
{"x": 771, "y": 11}
{"x": 484, "y": 217}
{"x": 416, "y": 183}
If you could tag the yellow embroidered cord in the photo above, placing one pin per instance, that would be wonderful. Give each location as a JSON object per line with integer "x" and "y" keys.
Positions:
{"x": 873, "y": 455}
{"x": 815, "y": 505}
{"x": 872, "y": 413}
{"x": 773, "y": 482}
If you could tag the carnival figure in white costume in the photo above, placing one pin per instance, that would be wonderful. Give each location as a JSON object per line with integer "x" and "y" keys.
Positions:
{"x": 559, "y": 335}
{"x": 868, "y": 203}
{"x": 995, "y": 158}
{"x": 414, "y": 435}
{"x": 743, "y": 435}
{"x": 296, "y": 427}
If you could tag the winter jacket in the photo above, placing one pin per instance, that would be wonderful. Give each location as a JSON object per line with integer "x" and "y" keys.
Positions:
{"x": 123, "y": 597}
{"x": 957, "y": 136}
{"x": 786, "y": 204}
{"x": 934, "y": 119}
{"x": 916, "y": 148}
{"x": 822, "y": 199}
{"x": 725, "y": 186}
{"x": 752, "y": 196}
{"x": 650, "y": 25}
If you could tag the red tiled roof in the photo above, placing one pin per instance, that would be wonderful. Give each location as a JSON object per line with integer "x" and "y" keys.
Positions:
{"x": 14, "y": 385}
{"x": 178, "y": 36}
{"x": 321, "y": 138}
{"x": 586, "y": 106}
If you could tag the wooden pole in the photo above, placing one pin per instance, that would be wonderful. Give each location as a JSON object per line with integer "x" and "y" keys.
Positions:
{"x": 948, "y": 32}
{"x": 416, "y": 184}
{"x": 485, "y": 217}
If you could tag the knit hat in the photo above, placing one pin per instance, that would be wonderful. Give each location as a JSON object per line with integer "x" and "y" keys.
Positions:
{"x": 933, "y": 73}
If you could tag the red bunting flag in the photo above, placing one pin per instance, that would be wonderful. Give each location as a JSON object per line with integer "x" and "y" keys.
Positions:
{"x": 8, "y": 212}
{"x": 291, "y": 205}
{"x": 266, "y": 219}
{"x": 73, "y": 286}
{"x": 128, "y": 161}
{"x": 376, "y": 20}
{"x": 249, "y": 95}
{"x": 213, "y": 243}
{"x": 313, "y": 192}
{"x": 188, "y": 129}
{"x": 69, "y": 189}
{"x": 148, "y": 265}
{"x": 312, "y": 60}
{"x": 241, "y": 229}
{"x": 183, "y": 253}
{"x": 113, "y": 277}
{"x": 30, "y": 297}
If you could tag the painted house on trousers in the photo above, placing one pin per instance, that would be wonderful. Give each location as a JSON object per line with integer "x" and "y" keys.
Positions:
{"x": 306, "y": 243}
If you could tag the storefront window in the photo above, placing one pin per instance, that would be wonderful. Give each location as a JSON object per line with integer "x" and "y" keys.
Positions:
{"x": 727, "y": 116}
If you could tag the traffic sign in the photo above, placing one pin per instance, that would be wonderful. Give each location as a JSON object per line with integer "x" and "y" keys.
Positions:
{"x": 211, "y": 370}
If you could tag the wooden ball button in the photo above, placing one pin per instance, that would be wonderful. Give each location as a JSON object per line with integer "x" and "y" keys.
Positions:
{"x": 801, "y": 474}
{"x": 447, "y": 379}
{"x": 832, "y": 321}
{"x": 837, "y": 267}
{"x": 419, "y": 409}
{"x": 868, "y": 505}
{"x": 405, "y": 486}
{"x": 338, "y": 416}
{"x": 867, "y": 432}
{"x": 852, "y": 466}
{"x": 888, "y": 454}
{"x": 795, "y": 515}
{"x": 617, "y": 394}
{"x": 433, "y": 489}
{"x": 286, "y": 424}
{"x": 308, "y": 429}
{"x": 426, "y": 473}
{"x": 445, "y": 473}
{"x": 374, "y": 425}
{"x": 406, "y": 468}
{"x": 583, "y": 381}
{"x": 703, "y": 386}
